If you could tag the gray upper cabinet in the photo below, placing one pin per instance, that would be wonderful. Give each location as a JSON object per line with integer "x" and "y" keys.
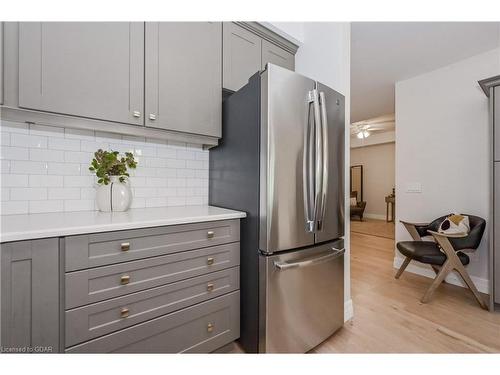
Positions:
{"x": 183, "y": 77}
{"x": 1, "y": 62}
{"x": 30, "y": 295}
{"x": 241, "y": 57}
{"x": 273, "y": 54}
{"x": 87, "y": 69}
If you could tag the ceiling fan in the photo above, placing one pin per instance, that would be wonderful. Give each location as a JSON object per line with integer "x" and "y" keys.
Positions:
{"x": 363, "y": 129}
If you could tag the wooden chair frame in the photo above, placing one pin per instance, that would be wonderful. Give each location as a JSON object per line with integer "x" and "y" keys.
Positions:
{"x": 452, "y": 262}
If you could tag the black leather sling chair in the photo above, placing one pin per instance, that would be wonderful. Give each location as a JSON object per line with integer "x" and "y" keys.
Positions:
{"x": 446, "y": 254}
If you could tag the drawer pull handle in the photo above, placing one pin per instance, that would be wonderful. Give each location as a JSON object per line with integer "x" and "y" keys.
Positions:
{"x": 210, "y": 287}
{"x": 124, "y": 313}
{"x": 210, "y": 261}
{"x": 125, "y": 246}
{"x": 125, "y": 279}
{"x": 210, "y": 234}
{"x": 210, "y": 327}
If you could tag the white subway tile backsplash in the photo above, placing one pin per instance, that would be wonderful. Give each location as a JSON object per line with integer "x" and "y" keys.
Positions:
{"x": 4, "y": 139}
{"x": 28, "y": 140}
{"x": 45, "y": 181}
{"x": 64, "y": 193}
{"x": 194, "y": 164}
{"x": 45, "y": 169}
{"x": 78, "y": 156}
{"x": 23, "y": 194}
{"x": 14, "y": 207}
{"x": 176, "y": 163}
{"x": 156, "y": 181}
{"x": 156, "y": 202}
{"x": 36, "y": 207}
{"x": 93, "y": 146}
{"x": 144, "y": 192}
{"x": 5, "y": 194}
{"x": 176, "y": 201}
{"x": 46, "y": 155}
{"x": 64, "y": 144}
{"x": 14, "y": 180}
{"x": 28, "y": 167}
{"x": 14, "y": 153}
{"x": 64, "y": 169}
{"x": 79, "y": 181}
{"x": 87, "y": 193}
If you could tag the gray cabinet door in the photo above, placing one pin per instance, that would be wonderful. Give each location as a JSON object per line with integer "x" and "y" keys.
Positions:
{"x": 241, "y": 56}
{"x": 496, "y": 232}
{"x": 183, "y": 76}
{"x": 496, "y": 121}
{"x": 1, "y": 62}
{"x": 273, "y": 54}
{"x": 87, "y": 69}
{"x": 30, "y": 295}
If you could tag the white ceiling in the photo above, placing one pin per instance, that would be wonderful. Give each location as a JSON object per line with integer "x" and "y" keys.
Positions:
{"x": 383, "y": 53}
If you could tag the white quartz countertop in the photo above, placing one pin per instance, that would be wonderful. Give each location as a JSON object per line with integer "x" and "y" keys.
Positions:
{"x": 59, "y": 224}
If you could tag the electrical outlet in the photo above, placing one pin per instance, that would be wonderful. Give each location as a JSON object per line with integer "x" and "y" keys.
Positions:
{"x": 413, "y": 187}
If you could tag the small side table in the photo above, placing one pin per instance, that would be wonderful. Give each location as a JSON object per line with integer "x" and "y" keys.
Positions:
{"x": 390, "y": 200}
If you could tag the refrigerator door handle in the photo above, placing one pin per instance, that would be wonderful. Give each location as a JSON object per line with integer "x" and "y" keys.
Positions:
{"x": 310, "y": 162}
{"x": 282, "y": 266}
{"x": 324, "y": 145}
{"x": 318, "y": 153}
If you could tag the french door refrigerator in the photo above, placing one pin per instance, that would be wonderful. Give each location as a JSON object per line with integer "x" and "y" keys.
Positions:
{"x": 281, "y": 159}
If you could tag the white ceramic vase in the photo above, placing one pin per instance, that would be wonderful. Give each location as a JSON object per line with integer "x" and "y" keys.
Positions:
{"x": 115, "y": 196}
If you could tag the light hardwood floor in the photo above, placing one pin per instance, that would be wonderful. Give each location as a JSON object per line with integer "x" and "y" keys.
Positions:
{"x": 379, "y": 228}
{"x": 389, "y": 317}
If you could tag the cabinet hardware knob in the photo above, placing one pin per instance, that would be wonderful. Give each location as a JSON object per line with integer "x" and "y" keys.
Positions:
{"x": 152, "y": 116}
{"x": 210, "y": 234}
{"x": 124, "y": 313}
{"x": 137, "y": 114}
{"x": 210, "y": 261}
{"x": 125, "y": 246}
{"x": 210, "y": 287}
{"x": 210, "y": 327}
{"x": 125, "y": 279}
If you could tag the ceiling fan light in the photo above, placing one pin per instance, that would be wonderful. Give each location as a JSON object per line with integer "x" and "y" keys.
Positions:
{"x": 366, "y": 134}
{"x": 360, "y": 135}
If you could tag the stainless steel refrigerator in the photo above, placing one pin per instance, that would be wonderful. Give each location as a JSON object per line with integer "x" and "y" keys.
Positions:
{"x": 281, "y": 159}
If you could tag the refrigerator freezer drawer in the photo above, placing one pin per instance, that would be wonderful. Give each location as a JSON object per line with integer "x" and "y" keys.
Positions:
{"x": 302, "y": 300}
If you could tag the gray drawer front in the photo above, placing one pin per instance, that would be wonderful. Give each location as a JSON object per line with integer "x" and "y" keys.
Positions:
{"x": 106, "y": 248}
{"x": 182, "y": 331}
{"x": 85, "y": 323}
{"x": 98, "y": 284}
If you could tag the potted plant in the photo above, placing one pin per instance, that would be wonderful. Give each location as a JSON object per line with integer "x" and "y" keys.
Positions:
{"x": 113, "y": 192}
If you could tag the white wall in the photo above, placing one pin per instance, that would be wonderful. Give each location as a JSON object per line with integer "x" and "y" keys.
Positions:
{"x": 324, "y": 55}
{"x": 442, "y": 143}
{"x": 378, "y": 176}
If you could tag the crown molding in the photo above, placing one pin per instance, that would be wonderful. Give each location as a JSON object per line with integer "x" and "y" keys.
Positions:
{"x": 488, "y": 83}
{"x": 270, "y": 36}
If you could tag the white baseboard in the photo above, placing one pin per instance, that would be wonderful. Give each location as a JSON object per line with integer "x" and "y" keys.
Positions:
{"x": 348, "y": 310}
{"x": 481, "y": 284}
{"x": 374, "y": 216}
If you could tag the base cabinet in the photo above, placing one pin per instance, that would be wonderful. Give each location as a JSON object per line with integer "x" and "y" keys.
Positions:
{"x": 170, "y": 289}
{"x": 30, "y": 296}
